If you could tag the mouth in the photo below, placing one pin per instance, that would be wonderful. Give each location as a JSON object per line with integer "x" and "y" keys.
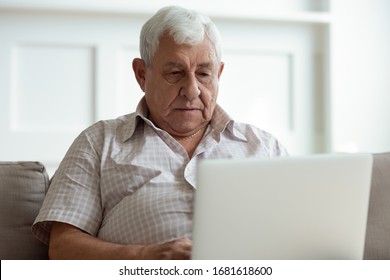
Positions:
{"x": 185, "y": 113}
{"x": 188, "y": 109}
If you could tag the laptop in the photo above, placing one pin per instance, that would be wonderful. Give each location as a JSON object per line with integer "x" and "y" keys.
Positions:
{"x": 301, "y": 208}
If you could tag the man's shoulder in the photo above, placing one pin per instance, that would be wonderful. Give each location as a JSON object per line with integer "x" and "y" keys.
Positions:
{"x": 109, "y": 125}
{"x": 249, "y": 130}
{"x": 102, "y": 130}
{"x": 259, "y": 137}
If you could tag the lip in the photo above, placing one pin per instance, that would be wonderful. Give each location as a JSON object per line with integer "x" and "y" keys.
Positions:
{"x": 188, "y": 109}
{"x": 187, "y": 112}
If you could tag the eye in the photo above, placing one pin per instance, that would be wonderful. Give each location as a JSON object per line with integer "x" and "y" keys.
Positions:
{"x": 174, "y": 76}
{"x": 204, "y": 76}
{"x": 174, "y": 73}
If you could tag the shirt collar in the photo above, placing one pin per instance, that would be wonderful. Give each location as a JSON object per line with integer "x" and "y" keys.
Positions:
{"x": 220, "y": 121}
{"x": 131, "y": 121}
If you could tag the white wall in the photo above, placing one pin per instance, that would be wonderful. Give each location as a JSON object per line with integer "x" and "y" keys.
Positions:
{"x": 312, "y": 72}
{"x": 360, "y": 68}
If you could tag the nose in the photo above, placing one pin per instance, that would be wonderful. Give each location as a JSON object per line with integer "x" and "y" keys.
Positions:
{"x": 190, "y": 88}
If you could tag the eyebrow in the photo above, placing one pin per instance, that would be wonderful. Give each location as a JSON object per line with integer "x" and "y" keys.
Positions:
{"x": 174, "y": 64}
{"x": 205, "y": 65}
{"x": 180, "y": 65}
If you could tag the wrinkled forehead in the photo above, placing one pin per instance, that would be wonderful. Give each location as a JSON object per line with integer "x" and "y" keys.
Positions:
{"x": 171, "y": 52}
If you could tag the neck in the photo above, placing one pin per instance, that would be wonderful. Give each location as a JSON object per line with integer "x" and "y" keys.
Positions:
{"x": 180, "y": 139}
{"x": 191, "y": 142}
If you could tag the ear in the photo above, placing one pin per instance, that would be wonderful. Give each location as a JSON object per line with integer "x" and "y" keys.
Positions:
{"x": 139, "y": 68}
{"x": 220, "y": 70}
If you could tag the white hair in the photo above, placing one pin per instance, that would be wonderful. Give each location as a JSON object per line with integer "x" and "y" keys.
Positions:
{"x": 182, "y": 25}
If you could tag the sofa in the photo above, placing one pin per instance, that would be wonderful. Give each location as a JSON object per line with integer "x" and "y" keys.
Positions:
{"x": 23, "y": 186}
{"x": 22, "y": 189}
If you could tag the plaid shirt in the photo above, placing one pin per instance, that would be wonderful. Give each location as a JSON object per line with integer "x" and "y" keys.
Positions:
{"x": 129, "y": 182}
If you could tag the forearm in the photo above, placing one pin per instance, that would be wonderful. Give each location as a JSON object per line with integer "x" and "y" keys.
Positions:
{"x": 68, "y": 242}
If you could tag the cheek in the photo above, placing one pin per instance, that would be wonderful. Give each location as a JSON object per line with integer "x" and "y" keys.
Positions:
{"x": 211, "y": 94}
{"x": 209, "y": 99}
{"x": 160, "y": 94}
{"x": 153, "y": 91}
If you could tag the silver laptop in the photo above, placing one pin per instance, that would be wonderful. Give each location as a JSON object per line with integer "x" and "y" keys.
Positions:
{"x": 312, "y": 207}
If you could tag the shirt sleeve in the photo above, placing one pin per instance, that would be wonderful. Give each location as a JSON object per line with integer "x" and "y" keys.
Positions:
{"x": 74, "y": 193}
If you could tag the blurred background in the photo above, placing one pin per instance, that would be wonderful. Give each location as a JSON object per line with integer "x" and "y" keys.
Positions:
{"x": 315, "y": 73}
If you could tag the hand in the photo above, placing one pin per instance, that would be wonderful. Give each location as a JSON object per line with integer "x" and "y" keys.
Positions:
{"x": 179, "y": 249}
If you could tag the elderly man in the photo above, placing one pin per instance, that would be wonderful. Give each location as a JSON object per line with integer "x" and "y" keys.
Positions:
{"x": 125, "y": 188}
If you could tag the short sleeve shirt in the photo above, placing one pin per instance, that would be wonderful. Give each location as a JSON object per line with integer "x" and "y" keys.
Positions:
{"x": 129, "y": 182}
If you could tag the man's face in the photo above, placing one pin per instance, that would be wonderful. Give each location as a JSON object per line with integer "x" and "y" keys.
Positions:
{"x": 181, "y": 86}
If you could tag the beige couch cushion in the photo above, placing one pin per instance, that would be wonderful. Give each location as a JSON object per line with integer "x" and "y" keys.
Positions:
{"x": 378, "y": 224}
{"x": 22, "y": 189}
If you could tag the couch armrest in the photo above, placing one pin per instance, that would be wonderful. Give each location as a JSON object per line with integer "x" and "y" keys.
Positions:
{"x": 378, "y": 223}
{"x": 22, "y": 189}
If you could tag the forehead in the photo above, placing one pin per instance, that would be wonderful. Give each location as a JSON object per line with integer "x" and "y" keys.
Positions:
{"x": 169, "y": 53}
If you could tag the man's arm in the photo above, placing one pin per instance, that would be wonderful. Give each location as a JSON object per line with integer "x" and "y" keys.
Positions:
{"x": 69, "y": 242}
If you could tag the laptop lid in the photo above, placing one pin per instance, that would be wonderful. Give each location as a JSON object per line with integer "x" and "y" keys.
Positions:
{"x": 311, "y": 207}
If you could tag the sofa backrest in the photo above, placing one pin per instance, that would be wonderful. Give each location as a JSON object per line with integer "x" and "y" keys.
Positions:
{"x": 22, "y": 187}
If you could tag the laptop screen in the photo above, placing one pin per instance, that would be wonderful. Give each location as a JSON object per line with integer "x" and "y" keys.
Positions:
{"x": 311, "y": 207}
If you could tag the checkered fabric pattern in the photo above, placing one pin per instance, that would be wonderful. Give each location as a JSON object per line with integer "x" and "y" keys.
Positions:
{"x": 129, "y": 182}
